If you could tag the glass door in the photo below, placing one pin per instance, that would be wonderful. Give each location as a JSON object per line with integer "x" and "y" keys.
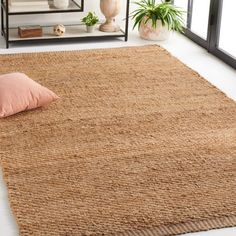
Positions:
{"x": 200, "y": 17}
{"x": 184, "y": 5}
{"x": 227, "y": 34}
{"x": 197, "y": 19}
{"x": 210, "y": 24}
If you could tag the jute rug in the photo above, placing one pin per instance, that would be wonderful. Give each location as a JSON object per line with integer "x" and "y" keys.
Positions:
{"x": 138, "y": 144}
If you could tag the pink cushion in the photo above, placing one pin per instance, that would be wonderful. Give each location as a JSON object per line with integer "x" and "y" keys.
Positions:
{"x": 20, "y": 93}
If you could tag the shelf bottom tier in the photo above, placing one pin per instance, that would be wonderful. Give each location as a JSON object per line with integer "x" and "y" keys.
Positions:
{"x": 72, "y": 31}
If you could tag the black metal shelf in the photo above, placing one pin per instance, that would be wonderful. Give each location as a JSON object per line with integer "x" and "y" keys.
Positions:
{"x": 10, "y": 34}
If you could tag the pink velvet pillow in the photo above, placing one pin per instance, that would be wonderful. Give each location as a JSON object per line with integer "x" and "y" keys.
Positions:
{"x": 20, "y": 93}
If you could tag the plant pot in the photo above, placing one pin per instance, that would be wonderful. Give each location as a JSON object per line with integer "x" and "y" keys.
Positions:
{"x": 110, "y": 9}
{"x": 61, "y": 4}
{"x": 90, "y": 29}
{"x": 160, "y": 33}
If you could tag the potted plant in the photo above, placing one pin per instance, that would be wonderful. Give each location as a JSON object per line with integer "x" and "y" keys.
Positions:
{"x": 90, "y": 21}
{"x": 156, "y": 20}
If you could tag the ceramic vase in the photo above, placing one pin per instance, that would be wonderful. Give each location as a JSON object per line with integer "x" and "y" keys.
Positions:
{"x": 61, "y": 4}
{"x": 160, "y": 33}
{"x": 110, "y": 9}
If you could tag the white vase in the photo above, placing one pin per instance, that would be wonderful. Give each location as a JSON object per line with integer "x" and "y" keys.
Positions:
{"x": 148, "y": 32}
{"x": 61, "y": 4}
{"x": 90, "y": 29}
{"x": 110, "y": 9}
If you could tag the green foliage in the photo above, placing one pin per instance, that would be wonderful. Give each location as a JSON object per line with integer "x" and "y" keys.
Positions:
{"x": 169, "y": 14}
{"x": 91, "y": 19}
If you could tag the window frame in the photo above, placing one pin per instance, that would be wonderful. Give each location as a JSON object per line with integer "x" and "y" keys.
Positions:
{"x": 211, "y": 44}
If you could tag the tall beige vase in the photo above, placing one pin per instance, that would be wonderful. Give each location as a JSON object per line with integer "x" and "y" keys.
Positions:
{"x": 110, "y": 9}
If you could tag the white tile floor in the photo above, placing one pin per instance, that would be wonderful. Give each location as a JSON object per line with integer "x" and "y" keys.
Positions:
{"x": 215, "y": 71}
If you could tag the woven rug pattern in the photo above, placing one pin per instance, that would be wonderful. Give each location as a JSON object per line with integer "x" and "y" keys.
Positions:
{"x": 138, "y": 144}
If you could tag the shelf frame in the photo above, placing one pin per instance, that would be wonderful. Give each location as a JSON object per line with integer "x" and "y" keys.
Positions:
{"x": 73, "y": 31}
{"x": 5, "y": 18}
{"x": 71, "y": 39}
{"x": 5, "y": 21}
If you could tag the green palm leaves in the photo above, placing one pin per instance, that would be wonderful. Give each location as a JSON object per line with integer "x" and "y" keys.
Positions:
{"x": 167, "y": 13}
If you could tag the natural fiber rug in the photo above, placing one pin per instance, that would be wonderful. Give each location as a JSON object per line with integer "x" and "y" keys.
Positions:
{"x": 138, "y": 144}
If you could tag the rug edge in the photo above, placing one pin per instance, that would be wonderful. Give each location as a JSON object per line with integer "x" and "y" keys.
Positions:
{"x": 156, "y": 45}
{"x": 183, "y": 227}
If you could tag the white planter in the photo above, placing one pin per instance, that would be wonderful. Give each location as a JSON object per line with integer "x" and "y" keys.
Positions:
{"x": 61, "y": 4}
{"x": 160, "y": 33}
{"x": 90, "y": 29}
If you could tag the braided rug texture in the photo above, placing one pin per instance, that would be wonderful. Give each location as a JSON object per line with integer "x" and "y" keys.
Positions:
{"x": 138, "y": 144}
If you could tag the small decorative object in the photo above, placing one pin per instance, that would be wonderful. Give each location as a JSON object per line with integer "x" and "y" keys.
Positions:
{"x": 61, "y": 4}
{"x": 30, "y": 31}
{"x": 59, "y": 30}
{"x": 110, "y": 9}
{"x": 90, "y": 21}
{"x": 156, "y": 20}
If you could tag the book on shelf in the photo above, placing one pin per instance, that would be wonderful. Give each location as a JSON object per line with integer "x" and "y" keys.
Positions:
{"x": 28, "y": 8}
{"x": 18, "y": 3}
{"x": 30, "y": 31}
{"x": 28, "y": 5}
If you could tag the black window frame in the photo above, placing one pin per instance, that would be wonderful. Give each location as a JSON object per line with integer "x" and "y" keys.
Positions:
{"x": 211, "y": 44}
